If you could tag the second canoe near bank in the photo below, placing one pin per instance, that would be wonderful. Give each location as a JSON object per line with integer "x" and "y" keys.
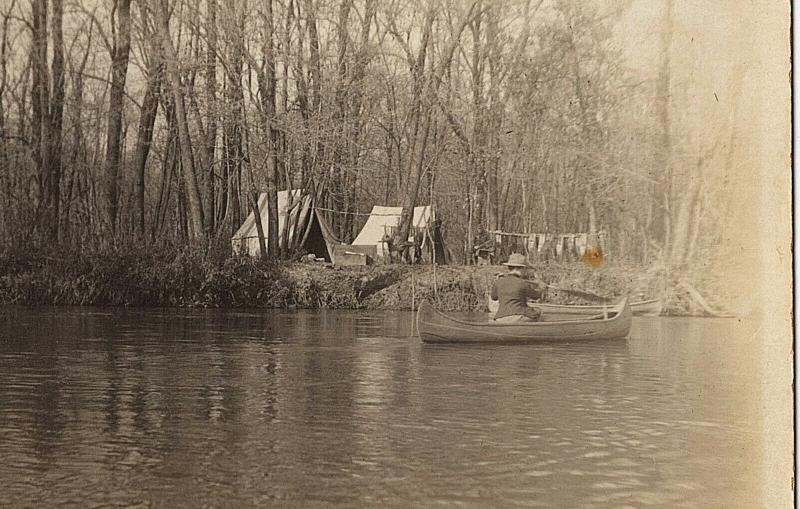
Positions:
{"x": 640, "y": 308}
{"x": 652, "y": 307}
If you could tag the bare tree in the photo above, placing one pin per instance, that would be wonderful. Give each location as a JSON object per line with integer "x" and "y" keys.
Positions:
{"x": 428, "y": 88}
{"x": 48, "y": 103}
{"x": 211, "y": 114}
{"x": 119, "y": 69}
{"x": 146, "y": 120}
{"x": 267, "y": 88}
{"x": 176, "y": 87}
{"x": 232, "y": 112}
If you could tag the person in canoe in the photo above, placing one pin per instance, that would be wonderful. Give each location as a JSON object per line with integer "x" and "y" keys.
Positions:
{"x": 512, "y": 290}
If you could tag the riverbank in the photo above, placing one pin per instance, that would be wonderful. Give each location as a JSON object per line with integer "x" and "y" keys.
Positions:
{"x": 185, "y": 277}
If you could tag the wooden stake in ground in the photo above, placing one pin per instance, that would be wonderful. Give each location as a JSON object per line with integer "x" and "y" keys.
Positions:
{"x": 413, "y": 289}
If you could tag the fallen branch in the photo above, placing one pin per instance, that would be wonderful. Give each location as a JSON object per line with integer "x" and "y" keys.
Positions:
{"x": 698, "y": 298}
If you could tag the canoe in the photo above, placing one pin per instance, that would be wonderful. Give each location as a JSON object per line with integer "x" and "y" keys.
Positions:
{"x": 436, "y": 327}
{"x": 650, "y": 307}
{"x": 641, "y": 308}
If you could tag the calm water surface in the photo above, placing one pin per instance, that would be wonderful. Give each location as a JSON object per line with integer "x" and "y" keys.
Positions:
{"x": 165, "y": 408}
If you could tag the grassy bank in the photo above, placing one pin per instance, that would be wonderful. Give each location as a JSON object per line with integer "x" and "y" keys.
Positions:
{"x": 139, "y": 276}
{"x": 196, "y": 277}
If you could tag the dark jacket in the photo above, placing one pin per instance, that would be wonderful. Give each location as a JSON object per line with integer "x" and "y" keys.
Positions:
{"x": 513, "y": 293}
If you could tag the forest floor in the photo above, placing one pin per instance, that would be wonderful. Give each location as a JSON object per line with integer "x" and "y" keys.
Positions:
{"x": 190, "y": 278}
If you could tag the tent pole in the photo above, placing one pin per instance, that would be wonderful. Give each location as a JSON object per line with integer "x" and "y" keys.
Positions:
{"x": 433, "y": 240}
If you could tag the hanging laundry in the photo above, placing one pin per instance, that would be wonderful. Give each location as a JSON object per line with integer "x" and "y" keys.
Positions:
{"x": 531, "y": 243}
{"x": 591, "y": 240}
{"x": 542, "y": 239}
{"x": 559, "y": 246}
{"x": 544, "y": 247}
{"x": 569, "y": 246}
{"x": 580, "y": 243}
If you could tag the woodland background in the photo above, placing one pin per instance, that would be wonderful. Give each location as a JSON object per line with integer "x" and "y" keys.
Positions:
{"x": 157, "y": 122}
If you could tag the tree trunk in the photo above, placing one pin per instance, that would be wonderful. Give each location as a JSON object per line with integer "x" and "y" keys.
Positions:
{"x": 318, "y": 155}
{"x": 47, "y": 115}
{"x": 267, "y": 85}
{"x": 478, "y": 141}
{"x": 359, "y": 73}
{"x": 338, "y": 188}
{"x": 494, "y": 110}
{"x": 119, "y": 69}
{"x": 77, "y": 159}
{"x": 195, "y": 218}
{"x": 40, "y": 103}
{"x": 56, "y": 119}
{"x": 314, "y": 64}
{"x": 144, "y": 139}
{"x": 211, "y": 115}
{"x": 682, "y": 225}
{"x": 254, "y": 209}
{"x": 416, "y": 155}
{"x": 232, "y": 152}
{"x": 416, "y": 161}
{"x": 661, "y": 223}
{"x": 167, "y": 168}
{"x": 147, "y": 120}
{"x": 268, "y": 104}
{"x": 6, "y": 185}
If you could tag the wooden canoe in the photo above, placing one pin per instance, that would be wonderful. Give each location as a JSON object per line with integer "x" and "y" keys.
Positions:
{"x": 436, "y": 327}
{"x": 641, "y": 308}
{"x": 650, "y": 307}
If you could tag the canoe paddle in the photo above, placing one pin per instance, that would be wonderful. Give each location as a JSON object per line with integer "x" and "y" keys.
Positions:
{"x": 580, "y": 293}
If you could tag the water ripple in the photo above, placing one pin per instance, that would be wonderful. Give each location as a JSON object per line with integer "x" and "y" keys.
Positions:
{"x": 190, "y": 408}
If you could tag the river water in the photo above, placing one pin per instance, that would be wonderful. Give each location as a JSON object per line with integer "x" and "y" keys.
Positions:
{"x": 166, "y": 408}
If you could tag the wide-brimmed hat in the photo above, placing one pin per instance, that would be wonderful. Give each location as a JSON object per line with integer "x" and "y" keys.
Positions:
{"x": 516, "y": 260}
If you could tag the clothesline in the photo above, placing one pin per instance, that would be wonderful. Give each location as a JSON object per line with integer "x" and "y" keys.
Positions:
{"x": 352, "y": 213}
{"x": 377, "y": 214}
{"x": 555, "y": 245}
{"x": 510, "y": 234}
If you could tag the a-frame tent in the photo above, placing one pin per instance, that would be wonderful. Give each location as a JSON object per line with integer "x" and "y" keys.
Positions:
{"x": 301, "y": 227}
{"x": 385, "y": 220}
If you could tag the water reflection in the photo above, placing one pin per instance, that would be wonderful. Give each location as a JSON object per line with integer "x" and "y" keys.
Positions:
{"x": 185, "y": 408}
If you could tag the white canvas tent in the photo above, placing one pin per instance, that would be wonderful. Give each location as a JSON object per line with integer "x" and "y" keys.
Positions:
{"x": 382, "y": 219}
{"x": 307, "y": 231}
{"x": 385, "y": 220}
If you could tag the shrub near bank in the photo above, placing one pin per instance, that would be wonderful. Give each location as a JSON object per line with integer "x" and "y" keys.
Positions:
{"x": 142, "y": 276}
